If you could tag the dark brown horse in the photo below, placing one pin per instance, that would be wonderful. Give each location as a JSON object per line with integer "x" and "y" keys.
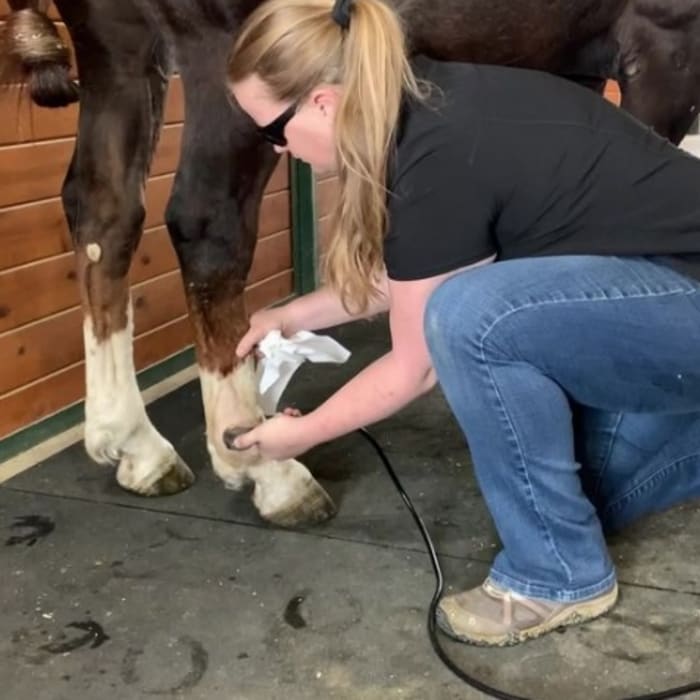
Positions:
{"x": 125, "y": 51}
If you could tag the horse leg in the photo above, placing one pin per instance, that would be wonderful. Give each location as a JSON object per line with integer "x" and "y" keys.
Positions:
{"x": 103, "y": 199}
{"x": 213, "y": 217}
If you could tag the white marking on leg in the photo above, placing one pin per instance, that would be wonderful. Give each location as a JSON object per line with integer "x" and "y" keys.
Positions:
{"x": 230, "y": 402}
{"x": 285, "y": 491}
{"x": 93, "y": 252}
{"x": 117, "y": 428}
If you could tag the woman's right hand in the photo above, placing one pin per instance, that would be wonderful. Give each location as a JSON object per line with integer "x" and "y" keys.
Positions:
{"x": 261, "y": 323}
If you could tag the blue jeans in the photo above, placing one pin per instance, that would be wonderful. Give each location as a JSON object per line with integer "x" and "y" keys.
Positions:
{"x": 576, "y": 381}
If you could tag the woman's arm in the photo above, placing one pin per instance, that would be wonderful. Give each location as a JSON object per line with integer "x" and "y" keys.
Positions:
{"x": 323, "y": 309}
{"x": 377, "y": 392}
{"x": 319, "y": 309}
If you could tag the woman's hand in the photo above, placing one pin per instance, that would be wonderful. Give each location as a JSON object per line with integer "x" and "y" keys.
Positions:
{"x": 261, "y": 323}
{"x": 280, "y": 437}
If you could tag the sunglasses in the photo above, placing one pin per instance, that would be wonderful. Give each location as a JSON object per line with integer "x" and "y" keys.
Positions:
{"x": 274, "y": 131}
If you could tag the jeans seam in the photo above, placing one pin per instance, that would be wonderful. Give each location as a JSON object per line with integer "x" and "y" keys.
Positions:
{"x": 524, "y": 469}
{"x": 606, "y": 460}
{"x": 649, "y": 482}
{"x": 551, "y": 302}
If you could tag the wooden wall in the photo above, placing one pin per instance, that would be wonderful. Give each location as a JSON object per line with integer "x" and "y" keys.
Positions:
{"x": 40, "y": 321}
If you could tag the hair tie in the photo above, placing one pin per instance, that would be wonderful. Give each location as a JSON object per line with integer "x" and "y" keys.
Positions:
{"x": 341, "y": 13}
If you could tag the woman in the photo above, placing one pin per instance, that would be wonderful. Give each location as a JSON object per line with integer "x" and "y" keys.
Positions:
{"x": 537, "y": 251}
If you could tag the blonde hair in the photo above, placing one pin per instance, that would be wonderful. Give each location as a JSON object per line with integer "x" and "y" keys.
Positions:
{"x": 294, "y": 46}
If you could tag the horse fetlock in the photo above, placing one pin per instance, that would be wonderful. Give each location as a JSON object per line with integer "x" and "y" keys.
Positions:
{"x": 159, "y": 473}
{"x": 228, "y": 467}
{"x": 287, "y": 494}
{"x": 147, "y": 463}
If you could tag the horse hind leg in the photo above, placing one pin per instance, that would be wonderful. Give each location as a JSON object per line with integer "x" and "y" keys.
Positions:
{"x": 103, "y": 196}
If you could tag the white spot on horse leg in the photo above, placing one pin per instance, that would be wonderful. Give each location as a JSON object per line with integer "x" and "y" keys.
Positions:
{"x": 93, "y": 252}
{"x": 117, "y": 428}
{"x": 285, "y": 491}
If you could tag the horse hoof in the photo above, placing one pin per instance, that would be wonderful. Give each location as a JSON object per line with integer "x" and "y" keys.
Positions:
{"x": 179, "y": 478}
{"x": 176, "y": 478}
{"x": 312, "y": 507}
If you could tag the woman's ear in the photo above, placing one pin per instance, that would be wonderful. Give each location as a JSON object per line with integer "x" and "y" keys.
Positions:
{"x": 326, "y": 99}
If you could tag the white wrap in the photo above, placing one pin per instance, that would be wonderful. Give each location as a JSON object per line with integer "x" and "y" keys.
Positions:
{"x": 281, "y": 357}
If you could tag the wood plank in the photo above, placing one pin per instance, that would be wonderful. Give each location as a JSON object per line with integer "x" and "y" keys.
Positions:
{"x": 36, "y": 171}
{"x": 32, "y": 231}
{"x": 174, "y": 102}
{"x": 279, "y": 179}
{"x": 167, "y": 152}
{"x": 275, "y": 214}
{"x": 34, "y": 352}
{"x": 54, "y": 286}
{"x": 5, "y": 10}
{"x": 272, "y": 255}
{"x": 33, "y": 171}
{"x": 154, "y": 256}
{"x": 327, "y": 192}
{"x": 156, "y": 199}
{"x": 36, "y": 290}
{"x": 53, "y": 393}
{"x": 31, "y": 352}
{"x": 23, "y": 121}
{"x": 38, "y": 230}
{"x": 271, "y": 290}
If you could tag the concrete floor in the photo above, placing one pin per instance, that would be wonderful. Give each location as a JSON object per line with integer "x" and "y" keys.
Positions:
{"x": 108, "y": 595}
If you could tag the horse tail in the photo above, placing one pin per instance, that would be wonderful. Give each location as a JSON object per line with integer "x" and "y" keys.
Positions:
{"x": 32, "y": 50}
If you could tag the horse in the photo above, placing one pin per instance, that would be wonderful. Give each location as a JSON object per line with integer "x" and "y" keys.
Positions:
{"x": 125, "y": 52}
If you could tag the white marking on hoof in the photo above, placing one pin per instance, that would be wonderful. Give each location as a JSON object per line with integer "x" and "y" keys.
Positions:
{"x": 117, "y": 429}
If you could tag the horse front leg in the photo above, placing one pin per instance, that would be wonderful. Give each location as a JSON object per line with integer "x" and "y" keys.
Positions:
{"x": 103, "y": 200}
{"x": 213, "y": 218}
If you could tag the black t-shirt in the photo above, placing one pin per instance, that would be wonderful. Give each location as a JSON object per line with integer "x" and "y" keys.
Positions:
{"x": 517, "y": 163}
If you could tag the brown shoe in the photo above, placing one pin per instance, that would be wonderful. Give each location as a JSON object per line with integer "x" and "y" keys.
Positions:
{"x": 493, "y": 616}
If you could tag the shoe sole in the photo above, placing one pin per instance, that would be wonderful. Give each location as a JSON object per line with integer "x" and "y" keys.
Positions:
{"x": 584, "y": 612}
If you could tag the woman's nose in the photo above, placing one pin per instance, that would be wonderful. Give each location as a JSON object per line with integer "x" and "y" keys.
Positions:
{"x": 280, "y": 149}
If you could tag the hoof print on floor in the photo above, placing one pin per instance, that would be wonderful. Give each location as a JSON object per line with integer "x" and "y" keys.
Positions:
{"x": 39, "y": 526}
{"x": 136, "y": 660}
{"x": 292, "y": 613}
{"x": 94, "y": 637}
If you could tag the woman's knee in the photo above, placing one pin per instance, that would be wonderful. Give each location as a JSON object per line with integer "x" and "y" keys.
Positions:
{"x": 459, "y": 313}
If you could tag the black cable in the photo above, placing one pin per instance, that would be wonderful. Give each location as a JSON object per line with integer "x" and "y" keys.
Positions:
{"x": 439, "y": 585}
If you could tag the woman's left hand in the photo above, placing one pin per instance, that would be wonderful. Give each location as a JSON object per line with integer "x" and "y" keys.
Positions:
{"x": 279, "y": 437}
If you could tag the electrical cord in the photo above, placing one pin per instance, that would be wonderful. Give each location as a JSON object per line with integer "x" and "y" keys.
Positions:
{"x": 439, "y": 585}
